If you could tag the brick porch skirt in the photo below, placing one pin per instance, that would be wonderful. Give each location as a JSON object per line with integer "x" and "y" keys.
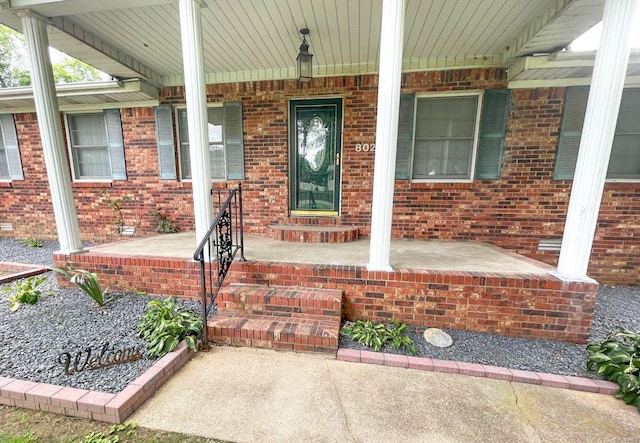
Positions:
{"x": 521, "y": 305}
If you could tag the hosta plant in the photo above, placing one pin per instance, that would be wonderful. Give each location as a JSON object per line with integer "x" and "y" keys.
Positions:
{"x": 377, "y": 335}
{"x": 618, "y": 359}
{"x": 399, "y": 338}
{"x": 24, "y": 291}
{"x": 373, "y": 335}
{"x": 165, "y": 324}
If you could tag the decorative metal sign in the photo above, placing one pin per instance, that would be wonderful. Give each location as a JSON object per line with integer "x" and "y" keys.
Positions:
{"x": 107, "y": 357}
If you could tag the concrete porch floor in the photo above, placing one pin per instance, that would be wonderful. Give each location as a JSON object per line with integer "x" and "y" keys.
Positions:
{"x": 405, "y": 254}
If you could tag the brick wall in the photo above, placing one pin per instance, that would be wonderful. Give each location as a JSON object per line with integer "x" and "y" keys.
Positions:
{"x": 515, "y": 212}
{"x": 532, "y": 306}
{"x": 27, "y": 203}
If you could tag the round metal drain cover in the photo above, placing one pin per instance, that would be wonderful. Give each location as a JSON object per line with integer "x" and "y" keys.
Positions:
{"x": 437, "y": 337}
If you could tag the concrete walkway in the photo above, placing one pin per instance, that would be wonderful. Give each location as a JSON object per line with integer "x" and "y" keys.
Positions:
{"x": 254, "y": 395}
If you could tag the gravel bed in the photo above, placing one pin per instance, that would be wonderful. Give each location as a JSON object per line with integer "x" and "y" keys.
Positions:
{"x": 67, "y": 320}
{"x": 33, "y": 337}
{"x": 615, "y": 306}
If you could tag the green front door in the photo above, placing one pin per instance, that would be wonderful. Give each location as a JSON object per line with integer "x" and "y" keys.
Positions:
{"x": 315, "y": 134}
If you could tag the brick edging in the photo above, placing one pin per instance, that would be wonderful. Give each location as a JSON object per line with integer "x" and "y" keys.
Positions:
{"x": 20, "y": 270}
{"x": 100, "y": 406}
{"x": 478, "y": 370}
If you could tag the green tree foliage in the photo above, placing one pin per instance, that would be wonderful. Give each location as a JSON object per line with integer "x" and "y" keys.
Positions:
{"x": 14, "y": 69}
{"x": 72, "y": 70}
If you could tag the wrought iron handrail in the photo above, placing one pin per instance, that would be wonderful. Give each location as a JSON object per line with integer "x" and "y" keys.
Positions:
{"x": 218, "y": 248}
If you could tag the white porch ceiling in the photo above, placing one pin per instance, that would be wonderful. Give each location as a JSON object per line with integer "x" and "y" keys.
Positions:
{"x": 258, "y": 39}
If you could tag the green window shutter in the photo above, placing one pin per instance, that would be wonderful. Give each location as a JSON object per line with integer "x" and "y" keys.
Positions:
{"x": 405, "y": 136}
{"x": 116, "y": 144}
{"x": 624, "y": 163}
{"x": 233, "y": 140}
{"x": 493, "y": 125}
{"x": 166, "y": 146}
{"x": 11, "y": 147}
{"x": 575, "y": 107}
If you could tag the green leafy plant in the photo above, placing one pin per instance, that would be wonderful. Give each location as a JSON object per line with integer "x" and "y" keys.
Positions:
{"x": 26, "y": 438}
{"x": 618, "y": 359}
{"x": 99, "y": 437}
{"x": 373, "y": 335}
{"x": 88, "y": 282}
{"x": 165, "y": 226}
{"x": 128, "y": 428}
{"x": 377, "y": 335}
{"x": 31, "y": 242}
{"x": 24, "y": 291}
{"x": 166, "y": 323}
{"x": 398, "y": 337}
{"x": 117, "y": 207}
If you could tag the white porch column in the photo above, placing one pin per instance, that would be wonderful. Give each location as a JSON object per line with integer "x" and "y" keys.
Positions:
{"x": 196, "y": 97}
{"x": 597, "y": 137}
{"x": 34, "y": 28}
{"x": 390, "y": 70}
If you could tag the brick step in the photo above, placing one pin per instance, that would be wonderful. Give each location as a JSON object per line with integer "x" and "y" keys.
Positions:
{"x": 282, "y": 301}
{"x": 267, "y": 331}
{"x": 312, "y": 233}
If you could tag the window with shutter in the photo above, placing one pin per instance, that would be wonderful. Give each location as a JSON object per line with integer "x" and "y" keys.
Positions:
{"x": 624, "y": 162}
{"x": 89, "y": 146}
{"x": 96, "y": 146}
{"x": 226, "y": 148}
{"x": 10, "y": 163}
{"x": 440, "y": 144}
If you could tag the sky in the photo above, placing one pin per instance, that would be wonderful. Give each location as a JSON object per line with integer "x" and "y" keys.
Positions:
{"x": 590, "y": 39}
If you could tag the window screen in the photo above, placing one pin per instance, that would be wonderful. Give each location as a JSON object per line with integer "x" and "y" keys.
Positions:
{"x": 215, "y": 117}
{"x": 444, "y": 137}
{"x": 89, "y": 146}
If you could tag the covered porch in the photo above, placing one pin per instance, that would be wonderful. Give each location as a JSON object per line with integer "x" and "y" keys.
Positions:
{"x": 460, "y": 285}
{"x": 398, "y": 38}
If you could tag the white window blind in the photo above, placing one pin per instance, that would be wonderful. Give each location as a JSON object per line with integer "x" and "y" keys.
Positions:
{"x": 444, "y": 137}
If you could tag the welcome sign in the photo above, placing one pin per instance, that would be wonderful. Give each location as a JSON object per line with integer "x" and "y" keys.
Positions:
{"x": 88, "y": 359}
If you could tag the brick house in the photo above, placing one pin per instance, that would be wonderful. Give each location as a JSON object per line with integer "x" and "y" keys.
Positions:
{"x": 426, "y": 121}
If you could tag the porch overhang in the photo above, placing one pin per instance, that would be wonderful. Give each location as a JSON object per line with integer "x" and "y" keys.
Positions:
{"x": 79, "y": 96}
{"x": 563, "y": 69}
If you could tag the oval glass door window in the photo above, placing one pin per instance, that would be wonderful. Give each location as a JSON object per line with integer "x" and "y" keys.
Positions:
{"x": 312, "y": 142}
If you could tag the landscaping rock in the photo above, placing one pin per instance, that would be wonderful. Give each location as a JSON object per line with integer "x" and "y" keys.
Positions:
{"x": 437, "y": 337}
{"x": 33, "y": 338}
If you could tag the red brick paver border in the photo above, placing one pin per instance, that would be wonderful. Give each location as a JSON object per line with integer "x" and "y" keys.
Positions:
{"x": 476, "y": 370}
{"x": 100, "y": 406}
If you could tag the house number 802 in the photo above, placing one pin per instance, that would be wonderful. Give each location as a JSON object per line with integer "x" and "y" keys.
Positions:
{"x": 366, "y": 147}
